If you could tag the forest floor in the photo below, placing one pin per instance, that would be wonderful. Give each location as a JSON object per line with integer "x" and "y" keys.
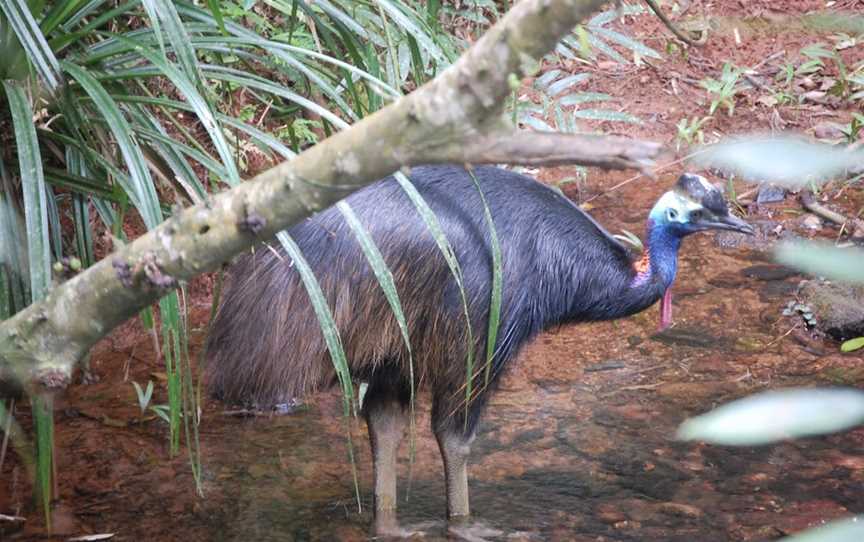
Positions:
{"x": 577, "y": 444}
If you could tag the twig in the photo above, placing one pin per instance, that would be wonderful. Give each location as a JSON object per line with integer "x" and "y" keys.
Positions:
{"x": 808, "y": 201}
{"x": 635, "y": 177}
{"x": 781, "y": 337}
{"x": 672, "y": 28}
{"x": 768, "y": 59}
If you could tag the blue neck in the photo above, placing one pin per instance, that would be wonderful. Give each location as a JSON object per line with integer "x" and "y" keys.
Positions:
{"x": 663, "y": 244}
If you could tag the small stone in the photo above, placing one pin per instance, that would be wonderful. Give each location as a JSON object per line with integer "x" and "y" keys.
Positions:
{"x": 769, "y": 193}
{"x": 828, "y": 130}
{"x": 812, "y": 222}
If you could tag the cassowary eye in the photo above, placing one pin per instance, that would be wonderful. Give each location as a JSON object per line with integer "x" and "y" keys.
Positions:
{"x": 696, "y": 215}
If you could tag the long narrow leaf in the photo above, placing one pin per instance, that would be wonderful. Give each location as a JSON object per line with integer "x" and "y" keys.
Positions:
{"x": 331, "y": 336}
{"x": 437, "y": 232}
{"x": 164, "y": 12}
{"x": 30, "y": 35}
{"x": 33, "y": 186}
{"x": 497, "y": 283}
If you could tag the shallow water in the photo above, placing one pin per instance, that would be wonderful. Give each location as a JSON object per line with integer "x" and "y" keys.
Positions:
{"x": 577, "y": 444}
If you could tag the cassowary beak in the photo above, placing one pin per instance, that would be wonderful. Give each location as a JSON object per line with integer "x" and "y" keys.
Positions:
{"x": 727, "y": 222}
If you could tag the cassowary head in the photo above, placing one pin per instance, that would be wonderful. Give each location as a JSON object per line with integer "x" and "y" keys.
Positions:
{"x": 694, "y": 205}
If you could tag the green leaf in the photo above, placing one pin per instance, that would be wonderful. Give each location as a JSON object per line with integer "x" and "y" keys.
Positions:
{"x": 446, "y": 249}
{"x": 852, "y": 345}
{"x": 584, "y": 97}
{"x": 43, "y": 419}
{"x": 33, "y": 187}
{"x": 412, "y": 25}
{"x": 625, "y": 41}
{"x": 497, "y": 284}
{"x": 81, "y": 210}
{"x": 264, "y": 138}
{"x": 330, "y": 332}
{"x": 777, "y": 415}
{"x": 388, "y": 286}
{"x": 252, "y": 81}
{"x": 567, "y": 83}
{"x": 603, "y": 114}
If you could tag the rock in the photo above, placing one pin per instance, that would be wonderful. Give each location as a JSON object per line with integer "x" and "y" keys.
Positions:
{"x": 828, "y": 130}
{"x": 838, "y": 308}
{"x": 812, "y": 222}
{"x": 769, "y": 193}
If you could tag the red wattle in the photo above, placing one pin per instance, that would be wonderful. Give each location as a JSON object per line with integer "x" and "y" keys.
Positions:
{"x": 666, "y": 309}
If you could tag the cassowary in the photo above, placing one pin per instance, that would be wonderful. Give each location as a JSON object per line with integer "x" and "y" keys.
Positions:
{"x": 559, "y": 266}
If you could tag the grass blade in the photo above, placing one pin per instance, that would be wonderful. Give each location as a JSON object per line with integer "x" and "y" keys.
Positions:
{"x": 331, "y": 338}
{"x": 437, "y": 232}
{"x": 164, "y": 16}
{"x": 388, "y": 286}
{"x": 497, "y": 284}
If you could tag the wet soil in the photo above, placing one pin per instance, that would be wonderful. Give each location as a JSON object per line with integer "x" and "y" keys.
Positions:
{"x": 577, "y": 444}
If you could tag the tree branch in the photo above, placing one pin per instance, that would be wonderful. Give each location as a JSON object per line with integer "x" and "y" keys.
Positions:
{"x": 457, "y": 117}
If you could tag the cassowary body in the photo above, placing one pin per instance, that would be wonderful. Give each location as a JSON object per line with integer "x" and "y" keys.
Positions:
{"x": 558, "y": 266}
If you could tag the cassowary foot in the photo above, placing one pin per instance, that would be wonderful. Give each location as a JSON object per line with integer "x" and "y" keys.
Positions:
{"x": 471, "y": 531}
{"x": 387, "y": 528}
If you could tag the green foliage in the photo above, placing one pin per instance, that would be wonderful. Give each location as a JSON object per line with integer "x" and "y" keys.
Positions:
{"x": 560, "y": 101}
{"x": 722, "y": 92}
{"x": 689, "y": 131}
{"x": 143, "y": 395}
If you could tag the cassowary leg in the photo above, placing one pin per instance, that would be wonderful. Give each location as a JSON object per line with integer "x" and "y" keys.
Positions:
{"x": 454, "y": 436}
{"x": 386, "y": 418}
{"x": 455, "y": 448}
